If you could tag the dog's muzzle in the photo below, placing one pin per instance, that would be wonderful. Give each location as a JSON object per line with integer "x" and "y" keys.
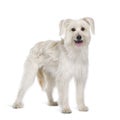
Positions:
{"x": 78, "y": 40}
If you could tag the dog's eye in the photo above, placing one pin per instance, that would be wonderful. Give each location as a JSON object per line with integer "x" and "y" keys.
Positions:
{"x": 73, "y": 29}
{"x": 82, "y": 28}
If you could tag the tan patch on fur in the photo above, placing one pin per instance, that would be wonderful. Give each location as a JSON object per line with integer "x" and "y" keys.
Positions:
{"x": 40, "y": 77}
{"x": 54, "y": 44}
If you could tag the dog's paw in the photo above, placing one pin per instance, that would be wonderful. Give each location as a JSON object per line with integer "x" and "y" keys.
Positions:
{"x": 53, "y": 104}
{"x": 17, "y": 105}
{"x": 66, "y": 110}
{"x": 83, "y": 108}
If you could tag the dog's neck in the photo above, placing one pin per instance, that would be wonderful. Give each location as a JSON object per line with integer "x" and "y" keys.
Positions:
{"x": 75, "y": 53}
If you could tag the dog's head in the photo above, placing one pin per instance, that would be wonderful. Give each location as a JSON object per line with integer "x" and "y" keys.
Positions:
{"x": 77, "y": 32}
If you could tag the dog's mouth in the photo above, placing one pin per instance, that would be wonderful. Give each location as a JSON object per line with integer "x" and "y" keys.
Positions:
{"x": 78, "y": 42}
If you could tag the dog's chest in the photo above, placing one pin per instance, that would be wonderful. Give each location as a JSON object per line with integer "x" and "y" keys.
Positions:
{"x": 75, "y": 63}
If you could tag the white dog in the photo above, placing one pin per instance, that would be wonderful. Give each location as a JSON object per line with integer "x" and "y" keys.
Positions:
{"x": 56, "y": 62}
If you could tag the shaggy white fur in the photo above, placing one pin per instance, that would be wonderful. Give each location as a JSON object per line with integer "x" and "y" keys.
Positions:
{"x": 56, "y": 62}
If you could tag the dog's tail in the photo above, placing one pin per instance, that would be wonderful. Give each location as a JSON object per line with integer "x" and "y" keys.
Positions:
{"x": 41, "y": 78}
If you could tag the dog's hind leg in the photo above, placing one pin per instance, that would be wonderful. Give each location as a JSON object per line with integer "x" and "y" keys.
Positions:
{"x": 30, "y": 71}
{"x": 47, "y": 83}
{"x": 49, "y": 91}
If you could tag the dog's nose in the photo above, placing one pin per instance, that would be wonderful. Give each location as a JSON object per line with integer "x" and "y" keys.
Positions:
{"x": 79, "y": 37}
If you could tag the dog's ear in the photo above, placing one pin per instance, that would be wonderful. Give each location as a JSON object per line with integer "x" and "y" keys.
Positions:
{"x": 90, "y": 21}
{"x": 63, "y": 25}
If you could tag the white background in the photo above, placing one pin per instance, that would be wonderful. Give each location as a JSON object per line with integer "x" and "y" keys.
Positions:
{"x": 25, "y": 22}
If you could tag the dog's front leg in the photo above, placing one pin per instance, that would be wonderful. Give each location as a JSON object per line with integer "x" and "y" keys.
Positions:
{"x": 80, "y": 81}
{"x": 62, "y": 85}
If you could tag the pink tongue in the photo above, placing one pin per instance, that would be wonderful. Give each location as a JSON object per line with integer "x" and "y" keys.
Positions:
{"x": 78, "y": 44}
